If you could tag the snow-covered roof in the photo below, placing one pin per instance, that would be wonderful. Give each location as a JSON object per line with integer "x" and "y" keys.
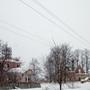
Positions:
{"x": 16, "y": 70}
{"x": 12, "y": 60}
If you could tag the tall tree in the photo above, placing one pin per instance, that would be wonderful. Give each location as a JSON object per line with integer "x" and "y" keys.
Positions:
{"x": 87, "y": 53}
{"x": 36, "y": 70}
{"x": 77, "y": 57}
{"x": 50, "y": 69}
{"x": 66, "y": 54}
{"x": 59, "y": 58}
{"x": 5, "y": 53}
{"x": 82, "y": 59}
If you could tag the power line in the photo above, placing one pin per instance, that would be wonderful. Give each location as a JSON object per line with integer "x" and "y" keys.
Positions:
{"x": 50, "y": 20}
{"x": 60, "y": 20}
{"x": 39, "y": 13}
{"x": 20, "y": 29}
{"x": 15, "y": 32}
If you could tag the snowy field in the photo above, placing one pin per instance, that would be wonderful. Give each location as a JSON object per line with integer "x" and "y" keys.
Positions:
{"x": 68, "y": 86}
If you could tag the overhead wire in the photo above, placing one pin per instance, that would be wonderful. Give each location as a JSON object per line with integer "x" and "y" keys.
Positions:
{"x": 60, "y": 20}
{"x": 50, "y": 20}
{"x": 22, "y": 30}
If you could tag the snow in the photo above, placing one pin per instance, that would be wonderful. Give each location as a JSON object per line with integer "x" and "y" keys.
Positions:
{"x": 18, "y": 70}
{"x": 68, "y": 86}
{"x": 12, "y": 60}
{"x": 29, "y": 89}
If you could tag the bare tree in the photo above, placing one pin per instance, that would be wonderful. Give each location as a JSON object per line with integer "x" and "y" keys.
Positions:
{"x": 5, "y": 53}
{"x": 87, "y": 53}
{"x": 59, "y": 58}
{"x": 77, "y": 56}
{"x": 36, "y": 70}
{"x": 82, "y": 59}
{"x": 66, "y": 54}
{"x": 50, "y": 69}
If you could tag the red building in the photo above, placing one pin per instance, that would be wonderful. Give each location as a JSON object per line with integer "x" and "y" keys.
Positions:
{"x": 7, "y": 66}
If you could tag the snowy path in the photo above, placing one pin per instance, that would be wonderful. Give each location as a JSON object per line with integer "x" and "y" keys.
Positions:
{"x": 76, "y": 86}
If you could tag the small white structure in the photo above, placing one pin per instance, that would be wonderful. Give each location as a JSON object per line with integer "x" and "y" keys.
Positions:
{"x": 26, "y": 76}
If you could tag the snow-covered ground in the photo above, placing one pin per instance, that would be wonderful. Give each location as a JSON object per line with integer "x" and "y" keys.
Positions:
{"x": 68, "y": 86}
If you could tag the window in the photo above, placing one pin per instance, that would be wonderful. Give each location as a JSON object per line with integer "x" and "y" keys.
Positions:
{"x": 8, "y": 65}
{"x": 18, "y": 65}
{"x": 29, "y": 78}
{"x": 26, "y": 79}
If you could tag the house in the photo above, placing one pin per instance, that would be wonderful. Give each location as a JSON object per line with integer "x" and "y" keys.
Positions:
{"x": 80, "y": 73}
{"x": 7, "y": 65}
{"x": 26, "y": 76}
{"x": 71, "y": 76}
{"x": 10, "y": 63}
{"x": 77, "y": 74}
{"x": 79, "y": 69}
{"x": 20, "y": 75}
{"x": 15, "y": 74}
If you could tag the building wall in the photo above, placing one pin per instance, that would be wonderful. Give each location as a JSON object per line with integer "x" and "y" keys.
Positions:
{"x": 12, "y": 64}
{"x": 26, "y": 77}
{"x": 9, "y": 64}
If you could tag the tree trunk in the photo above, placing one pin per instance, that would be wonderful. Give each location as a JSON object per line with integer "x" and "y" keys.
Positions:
{"x": 60, "y": 84}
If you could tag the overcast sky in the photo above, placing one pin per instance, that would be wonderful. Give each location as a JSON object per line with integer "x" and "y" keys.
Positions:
{"x": 31, "y": 35}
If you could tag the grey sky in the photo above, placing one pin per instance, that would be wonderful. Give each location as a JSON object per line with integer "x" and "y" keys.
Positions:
{"x": 40, "y": 32}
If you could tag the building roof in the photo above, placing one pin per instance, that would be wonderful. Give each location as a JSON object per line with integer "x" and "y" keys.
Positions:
{"x": 19, "y": 70}
{"x": 79, "y": 69}
{"x": 11, "y": 60}
{"x": 16, "y": 70}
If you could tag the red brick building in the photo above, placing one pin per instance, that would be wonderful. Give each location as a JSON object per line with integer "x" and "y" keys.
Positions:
{"x": 77, "y": 74}
{"x": 8, "y": 65}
